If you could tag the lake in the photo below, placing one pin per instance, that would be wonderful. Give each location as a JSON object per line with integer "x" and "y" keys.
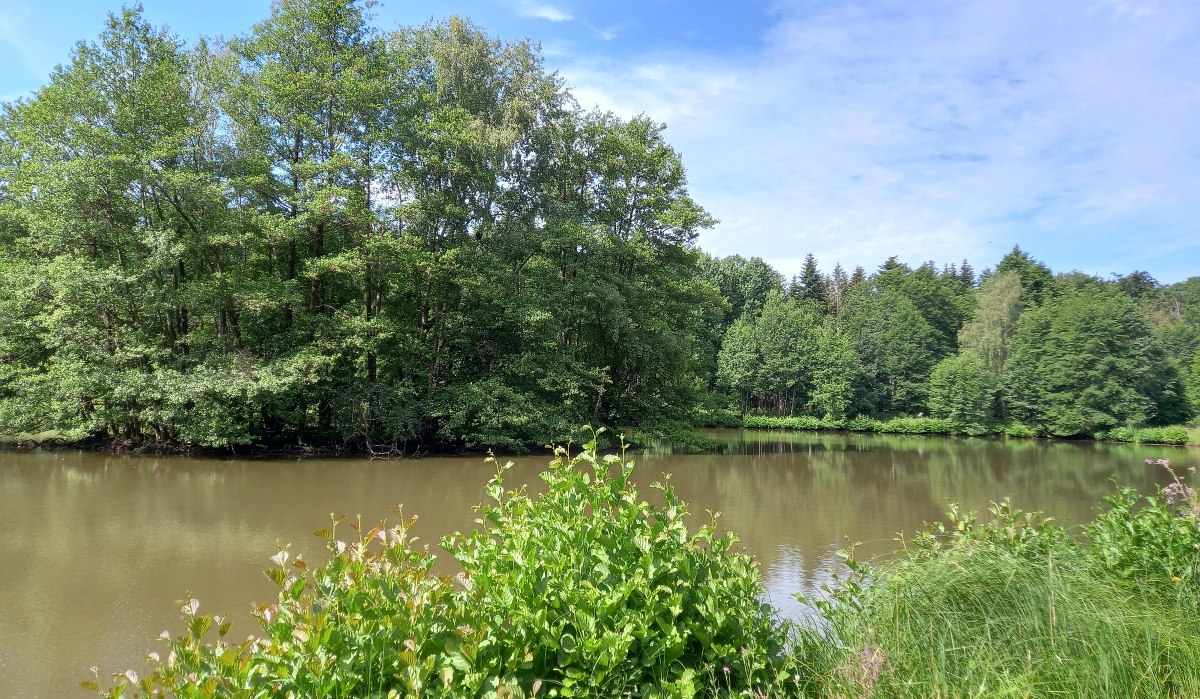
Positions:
{"x": 98, "y": 549}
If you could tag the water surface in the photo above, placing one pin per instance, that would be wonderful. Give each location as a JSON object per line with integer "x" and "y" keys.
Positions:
{"x": 97, "y": 549}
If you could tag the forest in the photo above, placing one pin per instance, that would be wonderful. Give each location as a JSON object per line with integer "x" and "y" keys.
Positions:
{"x": 319, "y": 233}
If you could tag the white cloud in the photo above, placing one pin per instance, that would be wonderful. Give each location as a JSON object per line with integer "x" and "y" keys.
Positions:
{"x": 544, "y": 11}
{"x": 941, "y": 130}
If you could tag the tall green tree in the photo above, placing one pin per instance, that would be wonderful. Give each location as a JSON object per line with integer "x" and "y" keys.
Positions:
{"x": 1087, "y": 362}
{"x": 811, "y": 286}
{"x": 989, "y": 334}
{"x": 961, "y": 388}
{"x": 836, "y": 373}
{"x": 323, "y": 233}
{"x": 1037, "y": 282}
{"x": 113, "y": 195}
{"x": 738, "y": 363}
{"x": 908, "y": 347}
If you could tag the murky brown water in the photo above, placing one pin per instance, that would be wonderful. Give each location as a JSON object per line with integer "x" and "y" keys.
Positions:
{"x": 96, "y": 549}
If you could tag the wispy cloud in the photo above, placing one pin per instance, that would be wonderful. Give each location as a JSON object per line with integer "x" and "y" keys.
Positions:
{"x": 607, "y": 34}
{"x": 938, "y": 130}
{"x": 545, "y": 11}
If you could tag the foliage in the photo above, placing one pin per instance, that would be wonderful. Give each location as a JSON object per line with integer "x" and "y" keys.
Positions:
{"x": 319, "y": 232}
{"x": 1037, "y": 283}
{"x": 1085, "y": 362}
{"x": 745, "y": 284}
{"x": 836, "y": 372}
{"x": 1153, "y": 540}
{"x": 916, "y": 425}
{"x": 798, "y": 422}
{"x": 961, "y": 391}
{"x": 989, "y": 334}
{"x": 1173, "y": 434}
{"x": 583, "y": 590}
{"x": 1018, "y": 430}
{"x": 768, "y": 361}
{"x": 861, "y": 423}
{"x": 1015, "y": 606}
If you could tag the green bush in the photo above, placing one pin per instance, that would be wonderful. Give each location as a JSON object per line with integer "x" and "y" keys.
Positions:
{"x": 717, "y": 417}
{"x": 796, "y": 422}
{"x": 1119, "y": 434}
{"x": 1154, "y": 541}
{"x": 592, "y": 590}
{"x": 1017, "y": 430}
{"x": 1176, "y": 434}
{"x": 917, "y": 425}
{"x": 862, "y": 423}
{"x": 1173, "y": 434}
{"x": 585, "y": 590}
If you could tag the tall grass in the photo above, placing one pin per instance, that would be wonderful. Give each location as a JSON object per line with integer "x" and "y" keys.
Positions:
{"x": 993, "y": 623}
{"x": 1014, "y": 606}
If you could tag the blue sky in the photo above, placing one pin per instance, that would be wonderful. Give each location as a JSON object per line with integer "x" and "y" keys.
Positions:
{"x": 853, "y": 129}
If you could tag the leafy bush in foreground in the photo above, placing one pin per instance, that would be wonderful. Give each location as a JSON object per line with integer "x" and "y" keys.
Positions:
{"x": 1152, "y": 540}
{"x": 585, "y": 590}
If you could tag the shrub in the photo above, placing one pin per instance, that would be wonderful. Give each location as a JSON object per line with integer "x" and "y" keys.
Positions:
{"x": 718, "y": 417}
{"x": 862, "y": 423}
{"x": 1174, "y": 434}
{"x": 1017, "y": 430}
{"x": 1152, "y": 540}
{"x": 590, "y": 589}
{"x": 796, "y": 422}
{"x": 1119, "y": 434}
{"x": 585, "y": 590}
{"x": 917, "y": 425}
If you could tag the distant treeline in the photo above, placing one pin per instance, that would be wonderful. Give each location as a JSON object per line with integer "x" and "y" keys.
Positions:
{"x": 318, "y": 233}
{"x": 1062, "y": 355}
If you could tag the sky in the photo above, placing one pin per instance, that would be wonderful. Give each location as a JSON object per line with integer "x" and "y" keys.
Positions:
{"x": 850, "y": 129}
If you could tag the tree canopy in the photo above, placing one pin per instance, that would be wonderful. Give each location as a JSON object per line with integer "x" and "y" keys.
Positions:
{"x": 320, "y": 233}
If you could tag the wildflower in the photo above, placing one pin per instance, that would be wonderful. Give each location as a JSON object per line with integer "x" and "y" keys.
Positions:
{"x": 1177, "y": 493}
{"x": 1175, "y": 578}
